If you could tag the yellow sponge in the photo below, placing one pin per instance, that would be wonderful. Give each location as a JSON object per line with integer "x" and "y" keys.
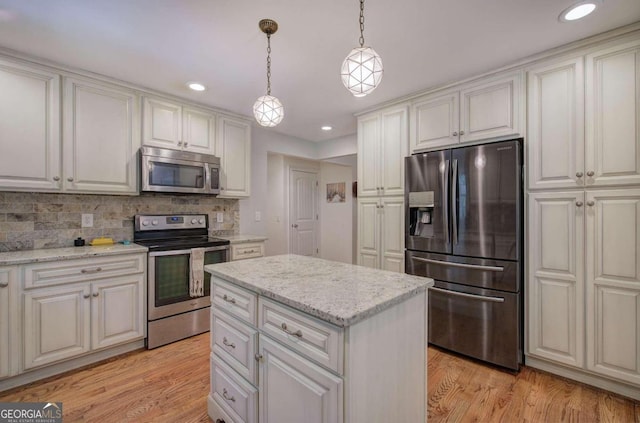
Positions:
{"x": 102, "y": 241}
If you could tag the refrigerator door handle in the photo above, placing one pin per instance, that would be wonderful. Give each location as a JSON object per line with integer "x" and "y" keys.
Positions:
{"x": 445, "y": 202}
{"x": 454, "y": 202}
{"x": 470, "y": 296}
{"x": 463, "y": 265}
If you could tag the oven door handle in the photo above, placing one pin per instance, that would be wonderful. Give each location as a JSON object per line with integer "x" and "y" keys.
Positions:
{"x": 187, "y": 251}
{"x": 470, "y": 296}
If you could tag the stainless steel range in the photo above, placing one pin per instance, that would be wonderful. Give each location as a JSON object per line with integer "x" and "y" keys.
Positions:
{"x": 179, "y": 247}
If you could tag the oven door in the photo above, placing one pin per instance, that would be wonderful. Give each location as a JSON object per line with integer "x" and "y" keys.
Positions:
{"x": 169, "y": 273}
{"x": 160, "y": 174}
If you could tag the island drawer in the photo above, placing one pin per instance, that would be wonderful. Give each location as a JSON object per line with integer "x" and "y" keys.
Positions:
{"x": 317, "y": 340}
{"x": 80, "y": 270}
{"x": 246, "y": 251}
{"x": 237, "y": 397}
{"x": 237, "y": 301}
{"x": 236, "y": 343}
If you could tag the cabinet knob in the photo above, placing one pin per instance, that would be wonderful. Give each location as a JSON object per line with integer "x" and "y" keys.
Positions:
{"x": 591, "y": 203}
{"x": 258, "y": 357}
{"x": 56, "y": 178}
{"x": 455, "y": 134}
{"x": 70, "y": 179}
{"x": 461, "y": 133}
{"x": 579, "y": 174}
{"x": 186, "y": 144}
{"x": 590, "y": 173}
{"x": 4, "y": 284}
{"x": 579, "y": 203}
{"x": 221, "y": 188}
{"x": 179, "y": 143}
{"x": 87, "y": 295}
{"x": 95, "y": 294}
{"x": 295, "y": 225}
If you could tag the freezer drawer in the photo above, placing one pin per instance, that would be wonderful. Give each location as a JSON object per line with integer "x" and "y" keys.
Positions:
{"x": 479, "y": 323}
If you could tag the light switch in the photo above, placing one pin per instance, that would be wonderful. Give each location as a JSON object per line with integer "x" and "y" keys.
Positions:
{"x": 219, "y": 217}
{"x": 87, "y": 220}
{"x": 258, "y": 216}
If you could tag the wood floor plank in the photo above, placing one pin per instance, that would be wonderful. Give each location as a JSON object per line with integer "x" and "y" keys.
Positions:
{"x": 171, "y": 383}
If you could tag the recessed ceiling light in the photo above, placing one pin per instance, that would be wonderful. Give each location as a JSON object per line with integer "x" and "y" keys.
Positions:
{"x": 196, "y": 86}
{"x": 578, "y": 10}
{"x": 327, "y": 128}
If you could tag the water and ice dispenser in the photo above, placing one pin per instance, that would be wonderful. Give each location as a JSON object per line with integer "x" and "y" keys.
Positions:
{"x": 421, "y": 214}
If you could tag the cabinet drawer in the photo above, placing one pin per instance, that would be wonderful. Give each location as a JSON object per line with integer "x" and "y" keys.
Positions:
{"x": 234, "y": 300}
{"x": 235, "y": 343}
{"x": 246, "y": 251}
{"x": 67, "y": 271}
{"x": 236, "y": 397}
{"x": 317, "y": 340}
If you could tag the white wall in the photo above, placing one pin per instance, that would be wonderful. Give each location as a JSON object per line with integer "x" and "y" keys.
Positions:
{"x": 336, "y": 219}
{"x": 343, "y": 146}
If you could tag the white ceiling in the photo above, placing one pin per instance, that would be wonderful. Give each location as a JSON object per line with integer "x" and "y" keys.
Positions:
{"x": 162, "y": 44}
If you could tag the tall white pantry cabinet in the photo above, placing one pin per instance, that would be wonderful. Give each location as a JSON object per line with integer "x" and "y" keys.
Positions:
{"x": 382, "y": 145}
{"x": 583, "y": 142}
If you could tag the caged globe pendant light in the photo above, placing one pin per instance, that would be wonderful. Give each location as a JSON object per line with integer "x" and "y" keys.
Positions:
{"x": 267, "y": 109}
{"x": 362, "y": 69}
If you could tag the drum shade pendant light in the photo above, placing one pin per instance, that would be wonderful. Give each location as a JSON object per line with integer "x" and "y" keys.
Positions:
{"x": 267, "y": 109}
{"x": 362, "y": 69}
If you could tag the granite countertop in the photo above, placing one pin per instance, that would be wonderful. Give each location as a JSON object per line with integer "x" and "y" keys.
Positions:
{"x": 338, "y": 293}
{"x": 69, "y": 253}
{"x": 241, "y": 239}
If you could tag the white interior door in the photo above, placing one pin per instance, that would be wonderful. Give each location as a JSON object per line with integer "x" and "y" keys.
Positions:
{"x": 303, "y": 212}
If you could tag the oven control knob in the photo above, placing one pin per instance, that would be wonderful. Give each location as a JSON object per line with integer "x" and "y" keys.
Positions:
{"x": 194, "y": 221}
{"x": 145, "y": 223}
{"x": 201, "y": 221}
{"x": 155, "y": 222}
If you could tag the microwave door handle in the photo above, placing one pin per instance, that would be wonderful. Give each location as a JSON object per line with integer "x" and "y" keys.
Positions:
{"x": 207, "y": 178}
{"x": 445, "y": 202}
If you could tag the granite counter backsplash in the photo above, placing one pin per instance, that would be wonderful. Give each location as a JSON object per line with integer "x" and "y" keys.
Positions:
{"x": 42, "y": 220}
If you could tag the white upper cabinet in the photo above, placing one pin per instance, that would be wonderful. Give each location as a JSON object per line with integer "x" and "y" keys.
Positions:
{"x": 234, "y": 149}
{"x": 174, "y": 125}
{"x": 484, "y": 109}
{"x": 101, "y": 138}
{"x": 613, "y": 115}
{"x": 382, "y": 146}
{"x": 555, "y": 135}
{"x": 29, "y": 128}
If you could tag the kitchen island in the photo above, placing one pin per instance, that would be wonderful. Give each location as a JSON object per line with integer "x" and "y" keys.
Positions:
{"x": 301, "y": 339}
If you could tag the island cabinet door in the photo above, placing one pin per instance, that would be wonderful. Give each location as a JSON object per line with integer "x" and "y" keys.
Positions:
{"x": 293, "y": 389}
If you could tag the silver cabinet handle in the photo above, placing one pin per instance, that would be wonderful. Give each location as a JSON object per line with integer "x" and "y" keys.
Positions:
{"x": 226, "y": 396}
{"x": 297, "y": 333}
{"x": 591, "y": 203}
{"x": 295, "y": 225}
{"x": 590, "y": 173}
{"x": 227, "y": 343}
{"x": 56, "y": 178}
{"x": 455, "y": 134}
{"x": 229, "y": 299}
{"x": 461, "y": 133}
{"x": 470, "y": 296}
{"x": 70, "y": 179}
{"x": 579, "y": 174}
{"x": 258, "y": 357}
{"x": 463, "y": 265}
{"x": 95, "y": 294}
{"x": 86, "y": 295}
{"x": 221, "y": 188}
{"x": 579, "y": 203}
{"x": 96, "y": 270}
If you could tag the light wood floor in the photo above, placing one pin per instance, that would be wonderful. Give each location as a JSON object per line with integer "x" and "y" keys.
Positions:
{"x": 170, "y": 384}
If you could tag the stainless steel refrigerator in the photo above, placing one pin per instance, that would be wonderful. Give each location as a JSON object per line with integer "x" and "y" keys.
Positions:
{"x": 464, "y": 219}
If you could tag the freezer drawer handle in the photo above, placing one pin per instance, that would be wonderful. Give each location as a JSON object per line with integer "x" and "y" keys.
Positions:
{"x": 466, "y": 266}
{"x": 470, "y": 296}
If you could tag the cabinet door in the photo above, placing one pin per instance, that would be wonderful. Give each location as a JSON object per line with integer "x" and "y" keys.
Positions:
{"x": 613, "y": 283}
{"x": 29, "y": 128}
{"x": 555, "y": 136}
{"x": 435, "y": 122}
{"x": 613, "y": 116}
{"x": 8, "y": 317}
{"x": 101, "y": 138}
{"x": 234, "y": 148}
{"x": 117, "y": 311}
{"x": 162, "y": 123}
{"x": 491, "y": 109}
{"x": 285, "y": 375}
{"x": 368, "y": 155}
{"x": 56, "y": 324}
{"x": 393, "y": 148}
{"x": 392, "y": 228}
{"x": 555, "y": 291}
{"x": 199, "y": 130}
{"x": 369, "y": 232}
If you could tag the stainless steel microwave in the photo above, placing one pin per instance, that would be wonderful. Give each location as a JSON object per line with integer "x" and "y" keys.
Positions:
{"x": 166, "y": 170}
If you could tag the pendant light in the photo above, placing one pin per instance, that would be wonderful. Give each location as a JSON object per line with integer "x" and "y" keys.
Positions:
{"x": 267, "y": 109}
{"x": 362, "y": 68}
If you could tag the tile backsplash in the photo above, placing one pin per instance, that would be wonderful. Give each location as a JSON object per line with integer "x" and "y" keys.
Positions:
{"x": 41, "y": 220}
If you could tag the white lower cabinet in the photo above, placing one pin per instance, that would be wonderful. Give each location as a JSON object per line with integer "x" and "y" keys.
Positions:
{"x": 8, "y": 286}
{"x": 381, "y": 233}
{"x": 584, "y": 282}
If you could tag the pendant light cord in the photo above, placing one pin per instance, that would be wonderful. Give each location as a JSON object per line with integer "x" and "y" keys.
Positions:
{"x": 268, "y": 64}
{"x": 361, "y": 23}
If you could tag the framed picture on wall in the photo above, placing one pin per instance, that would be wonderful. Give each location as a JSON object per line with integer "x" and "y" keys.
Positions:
{"x": 336, "y": 192}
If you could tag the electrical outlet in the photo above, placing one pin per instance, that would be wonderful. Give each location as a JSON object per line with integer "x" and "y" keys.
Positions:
{"x": 258, "y": 216}
{"x": 87, "y": 220}
{"x": 219, "y": 217}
